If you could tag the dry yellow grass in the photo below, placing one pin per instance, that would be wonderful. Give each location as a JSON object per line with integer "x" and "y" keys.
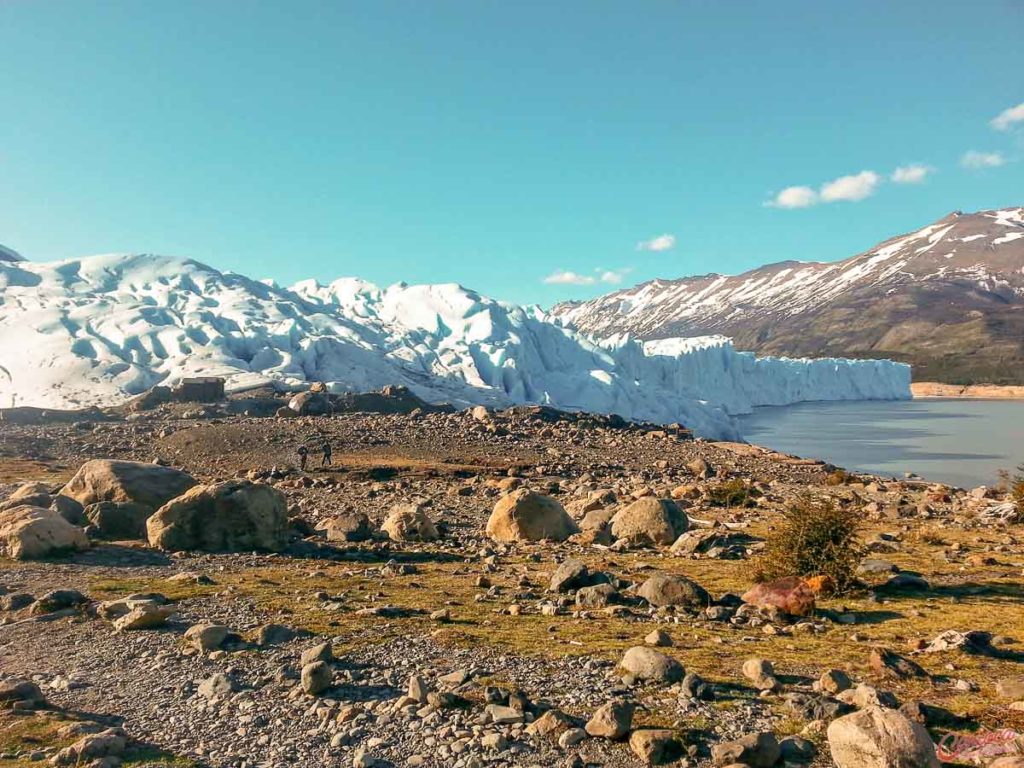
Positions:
{"x": 986, "y": 598}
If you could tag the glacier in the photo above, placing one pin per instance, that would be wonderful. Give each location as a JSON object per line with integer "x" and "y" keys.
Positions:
{"x": 96, "y": 330}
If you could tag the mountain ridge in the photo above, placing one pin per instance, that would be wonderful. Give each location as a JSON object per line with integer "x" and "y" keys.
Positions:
{"x": 947, "y": 298}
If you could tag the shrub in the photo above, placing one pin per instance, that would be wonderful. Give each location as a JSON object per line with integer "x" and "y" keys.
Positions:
{"x": 932, "y": 538}
{"x": 1014, "y": 486}
{"x": 838, "y": 477}
{"x": 733, "y": 493}
{"x": 817, "y": 538}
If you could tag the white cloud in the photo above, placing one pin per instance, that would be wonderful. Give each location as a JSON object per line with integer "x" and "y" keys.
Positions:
{"x": 852, "y": 188}
{"x": 911, "y": 174}
{"x": 601, "y": 275}
{"x": 614, "y": 276}
{"x": 565, "y": 277}
{"x": 1008, "y": 117}
{"x": 659, "y": 243}
{"x": 794, "y": 197}
{"x": 974, "y": 160}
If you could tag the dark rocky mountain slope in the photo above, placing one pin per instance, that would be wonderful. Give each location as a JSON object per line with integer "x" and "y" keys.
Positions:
{"x": 948, "y": 298}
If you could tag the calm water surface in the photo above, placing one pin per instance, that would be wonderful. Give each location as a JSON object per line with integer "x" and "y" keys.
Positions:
{"x": 960, "y": 442}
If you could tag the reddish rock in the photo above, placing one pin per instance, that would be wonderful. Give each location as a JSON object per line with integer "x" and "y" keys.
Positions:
{"x": 791, "y": 595}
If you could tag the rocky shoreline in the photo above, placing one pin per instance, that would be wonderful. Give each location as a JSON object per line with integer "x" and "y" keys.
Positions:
{"x": 926, "y": 389}
{"x": 481, "y": 588}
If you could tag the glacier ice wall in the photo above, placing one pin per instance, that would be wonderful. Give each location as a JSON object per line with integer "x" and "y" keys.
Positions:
{"x": 95, "y": 330}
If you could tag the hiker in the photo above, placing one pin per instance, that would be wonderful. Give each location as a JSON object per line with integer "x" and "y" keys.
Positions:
{"x": 303, "y": 455}
{"x": 326, "y": 460}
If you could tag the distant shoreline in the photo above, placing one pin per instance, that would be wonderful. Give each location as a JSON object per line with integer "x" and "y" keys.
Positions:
{"x": 926, "y": 389}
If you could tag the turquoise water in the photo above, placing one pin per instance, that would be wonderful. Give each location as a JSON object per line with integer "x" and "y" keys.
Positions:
{"x": 960, "y": 442}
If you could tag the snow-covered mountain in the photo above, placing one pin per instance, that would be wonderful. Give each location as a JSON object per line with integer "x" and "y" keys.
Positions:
{"x": 949, "y": 298}
{"x": 96, "y": 330}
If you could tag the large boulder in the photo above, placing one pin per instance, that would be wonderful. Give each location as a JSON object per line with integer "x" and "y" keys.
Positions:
{"x": 646, "y": 663}
{"x": 28, "y": 495}
{"x": 663, "y": 589}
{"x": 524, "y": 515}
{"x": 348, "y": 526}
{"x": 230, "y": 516}
{"x": 27, "y": 490}
{"x": 650, "y": 522}
{"x": 69, "y": 509}
{"x": 310, "y": 404}
{"x": 409, "y": 522}
{"x": 149, "y": 485}
{"x": 14, "y": 690}
{"x": 876, "y": 737}
{"x": 569, "y": 575}
{"x": 28, "y": 533}
{"x": 118, "y": 519}
{"x": 206, "y": 637}
{"x": 103, "y": 748}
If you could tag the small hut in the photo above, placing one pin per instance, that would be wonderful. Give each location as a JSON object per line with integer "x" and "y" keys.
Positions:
{"x": 200, "y": 389}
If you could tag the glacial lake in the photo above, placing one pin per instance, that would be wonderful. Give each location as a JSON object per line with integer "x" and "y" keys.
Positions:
{"x": 960, "y": 442}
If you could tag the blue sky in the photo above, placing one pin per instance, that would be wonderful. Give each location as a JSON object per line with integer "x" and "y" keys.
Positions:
{"x": 499, "y": 144}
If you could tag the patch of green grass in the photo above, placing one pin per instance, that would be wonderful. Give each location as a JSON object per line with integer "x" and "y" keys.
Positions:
{"x": 732, "y": 494}
{"x": 27, "y": 733}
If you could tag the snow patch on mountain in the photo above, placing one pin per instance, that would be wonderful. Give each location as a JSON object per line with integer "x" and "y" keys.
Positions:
{"x": 791, "y": 288}
{"x": 93, "y": 331}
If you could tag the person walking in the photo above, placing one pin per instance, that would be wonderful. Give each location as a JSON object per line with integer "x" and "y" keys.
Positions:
{"x": 326, "y": 460}
{"x": 303, "y": 455}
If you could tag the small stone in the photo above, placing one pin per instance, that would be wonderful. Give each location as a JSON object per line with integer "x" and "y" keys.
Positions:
{"x": 611, "y": 721}
{"x": 761, "y": 674}
{"x": 571, "y": 738}
{"x": 206, "y": 637}
{"x": 655, "y": 746}
{"x": 316, "y": 678}
{"x": 659, "y": 639}
{"x": 322, "y": 652}
{"x": 216, "y": 686}
{"x": 757, "y": 750}
{"x": 834, "y": 681}
{"x": 500, "y": 715}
